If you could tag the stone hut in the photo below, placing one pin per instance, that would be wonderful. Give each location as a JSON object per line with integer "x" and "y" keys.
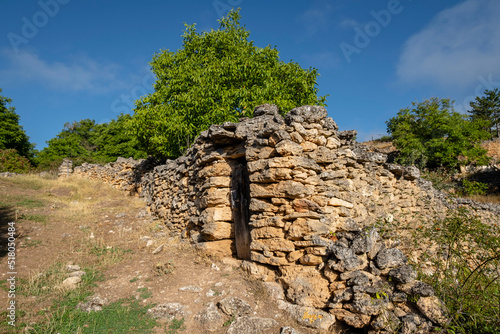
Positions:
{"x": 295, "y": 197}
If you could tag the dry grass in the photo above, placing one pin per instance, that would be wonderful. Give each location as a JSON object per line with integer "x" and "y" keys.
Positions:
{"x": 493, "y": 148}
{"x": 385, "y": 147}
{"x": 44, "y": 282}
{"x": 493, "y": 199}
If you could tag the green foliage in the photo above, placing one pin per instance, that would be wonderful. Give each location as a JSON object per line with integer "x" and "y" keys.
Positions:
{"x": 441, "y": 179}
{"x": 123, "y": 316}
{"x": 431, "y": 134}
{"x": 11, "y": 161}
{"x": 466, "y": 268}
{"x": 12, "y": 135}
{"x": 384, "y": 139}
{"x": 471, "y": 188}
{"x": 74, "y": 141}
{"x": 487, "y": 108}
{"x": 112, "y": 141}
{"x": 175, "y": 326}
{"x": 86, "y": 141}
{"x": 144, "y": 293}
{"x": 216, "y": 76}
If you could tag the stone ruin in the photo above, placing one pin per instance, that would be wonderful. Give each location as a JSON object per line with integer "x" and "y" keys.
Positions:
{"x": 297, "y": 199}
{"x": 66, "y": 168}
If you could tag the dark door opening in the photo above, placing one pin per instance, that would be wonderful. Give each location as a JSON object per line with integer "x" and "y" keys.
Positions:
{"x": 240, "y": 204}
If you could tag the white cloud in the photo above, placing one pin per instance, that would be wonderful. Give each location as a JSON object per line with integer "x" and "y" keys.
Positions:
{"x": 82, "y": 74}
{"x": 458, "y": 46}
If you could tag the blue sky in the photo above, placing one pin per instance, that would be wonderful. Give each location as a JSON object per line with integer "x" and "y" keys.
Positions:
{"x": 67, "y": 60}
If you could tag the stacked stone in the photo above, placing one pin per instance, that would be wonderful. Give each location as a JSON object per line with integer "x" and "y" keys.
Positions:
{"x": 372, "y": 286}
{"x": 311, "y": 193}
{"x": 124, "y": 174}
{"x": 66, "y": 168}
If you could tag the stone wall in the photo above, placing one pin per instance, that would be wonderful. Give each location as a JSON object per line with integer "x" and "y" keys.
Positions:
{"x": 295, "y": 196}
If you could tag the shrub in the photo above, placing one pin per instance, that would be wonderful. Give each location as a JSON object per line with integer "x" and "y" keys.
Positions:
{"x": 11, "y": 161}
{"x": 471, "y": 188}
{"x": 432, "y": 134}
{"x": 465, "y": 270}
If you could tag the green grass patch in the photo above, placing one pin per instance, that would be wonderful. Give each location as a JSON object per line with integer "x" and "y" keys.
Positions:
{"x": 175, "y": 326}
{"x": 34, "y": 218}
{"x": 30, "y": 203}
{"x": 63, "y": 312}
{"x": 124, "y": 316}
{"x": 144, "y": 293}
{"x": 32, "y": 243}
{"x": 108, "y": 255}
{"x": 49, "y": 280}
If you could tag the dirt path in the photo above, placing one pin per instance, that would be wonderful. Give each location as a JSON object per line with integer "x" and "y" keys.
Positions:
{"x": 125, "y": 251}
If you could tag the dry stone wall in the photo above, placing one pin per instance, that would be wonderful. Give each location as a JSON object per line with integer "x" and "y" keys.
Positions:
{"x": 296, "y": 197}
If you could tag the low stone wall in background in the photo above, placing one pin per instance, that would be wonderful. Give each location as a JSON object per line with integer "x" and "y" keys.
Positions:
{"x": 297, "y": 198}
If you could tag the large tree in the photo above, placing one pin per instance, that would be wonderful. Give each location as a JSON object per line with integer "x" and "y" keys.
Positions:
{"x": 12, "y": 134}
{"x": 112, "y": 141}
{"x": 216, "y": 76}
{"x": 86, "y": 141}
{"x": 431, "y": 134}
{"x": 487, "y": 108}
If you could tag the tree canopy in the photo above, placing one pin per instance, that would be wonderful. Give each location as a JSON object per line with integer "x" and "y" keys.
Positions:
{"x": 12, "y": 134}
{"x": 216, "y": 76}
{"x": 487, "y": 108}
{"x": 431, "y": 134}
{"x": 86, "y": 141}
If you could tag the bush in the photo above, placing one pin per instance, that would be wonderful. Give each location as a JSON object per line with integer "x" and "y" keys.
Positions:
{"x": 11, "y": 161}
{"x": 471, "y": 188}
{"x": 466, "y": 270}
{"x": 432, "y": 134}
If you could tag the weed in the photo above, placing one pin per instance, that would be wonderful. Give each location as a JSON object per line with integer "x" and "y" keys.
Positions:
{"x": 135, "y": 279}
{"x": 32, "y": 243}
{"x": 230, "y": 320}
{"x": 441, "y": 179}
{"x": 107, "y": 255}
{"x": 164, "y": 268}
{"x": 123, "y": 316}
{"x": 466, "y": 261}
{"x": 34, "y": 218}
{"x": 144, "y": 293}
{"x": 471, "y": 188}
{"x": 175, "y": 325}
{"x": 30, "y": 203}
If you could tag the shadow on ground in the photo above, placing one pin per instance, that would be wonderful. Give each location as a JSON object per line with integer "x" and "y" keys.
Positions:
{"x": 7, "y": 215}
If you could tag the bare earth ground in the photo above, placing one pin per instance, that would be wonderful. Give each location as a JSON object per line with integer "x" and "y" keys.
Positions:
{"x": 76, "y": 221}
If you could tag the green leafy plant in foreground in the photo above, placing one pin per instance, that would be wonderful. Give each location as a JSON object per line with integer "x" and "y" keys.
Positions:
{"x": 466, "y": 270}
{"x": 471, "y": 188}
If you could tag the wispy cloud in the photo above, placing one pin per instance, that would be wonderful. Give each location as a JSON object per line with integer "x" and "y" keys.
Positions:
{"x": 459, "y": 45}
{"x": 80, "y": 74}
{"x": 349, "y": 24}
{"x": 317, "y": 18}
